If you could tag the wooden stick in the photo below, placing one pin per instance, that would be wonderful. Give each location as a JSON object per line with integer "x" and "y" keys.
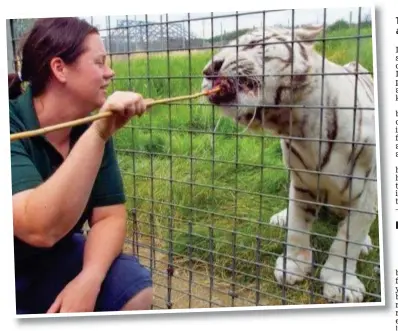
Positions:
{"x": 41, "y": 131}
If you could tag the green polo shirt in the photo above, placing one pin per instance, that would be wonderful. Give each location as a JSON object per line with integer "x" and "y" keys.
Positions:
{"x": 33, "y": 160}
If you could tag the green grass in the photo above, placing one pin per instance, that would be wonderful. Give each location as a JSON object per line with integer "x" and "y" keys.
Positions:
{"x": 184, "y": 188}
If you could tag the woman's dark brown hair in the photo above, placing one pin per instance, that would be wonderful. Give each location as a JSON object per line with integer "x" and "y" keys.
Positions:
{"x": 61, "y": 37}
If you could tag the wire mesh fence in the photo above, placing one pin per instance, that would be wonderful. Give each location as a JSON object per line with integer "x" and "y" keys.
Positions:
{"x": 214, "y": 211}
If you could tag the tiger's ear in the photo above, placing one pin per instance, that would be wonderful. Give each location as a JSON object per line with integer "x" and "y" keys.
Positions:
{"x": 308, "y": 33}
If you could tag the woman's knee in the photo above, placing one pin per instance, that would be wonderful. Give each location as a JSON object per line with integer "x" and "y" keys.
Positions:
{"x": 141, "y": 301}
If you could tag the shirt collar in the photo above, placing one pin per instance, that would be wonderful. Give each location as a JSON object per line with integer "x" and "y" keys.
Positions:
{"x": 26, "y": 110}
{"x": 27, "y": 113}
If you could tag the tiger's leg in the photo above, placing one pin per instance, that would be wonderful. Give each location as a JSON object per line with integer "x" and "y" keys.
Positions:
{"x": 358, "y": 225}
{"x": 298, "y": 251}
{"x": 280, "y": 219}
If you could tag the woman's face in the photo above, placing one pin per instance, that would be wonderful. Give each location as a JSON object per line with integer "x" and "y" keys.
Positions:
{"x": 88, "y": 78}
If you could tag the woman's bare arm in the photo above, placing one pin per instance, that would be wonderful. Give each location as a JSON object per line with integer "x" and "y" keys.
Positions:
{"x": 45, "y": 214}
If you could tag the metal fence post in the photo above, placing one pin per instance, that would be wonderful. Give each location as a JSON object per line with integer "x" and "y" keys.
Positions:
{"x": 10, "y": 53}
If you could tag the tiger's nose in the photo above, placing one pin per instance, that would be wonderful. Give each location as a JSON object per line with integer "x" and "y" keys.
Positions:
{"x": 213, "y": 68}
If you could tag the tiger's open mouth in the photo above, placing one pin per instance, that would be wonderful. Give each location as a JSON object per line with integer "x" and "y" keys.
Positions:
{"x": 229, "y": 87}
{"x": 227, "y": 92}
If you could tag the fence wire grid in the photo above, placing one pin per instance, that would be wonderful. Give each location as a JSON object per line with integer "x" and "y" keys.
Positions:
{"x": 201, "y": 193}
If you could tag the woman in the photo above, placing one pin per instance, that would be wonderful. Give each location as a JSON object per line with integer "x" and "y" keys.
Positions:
{"x": 66, "y": 177}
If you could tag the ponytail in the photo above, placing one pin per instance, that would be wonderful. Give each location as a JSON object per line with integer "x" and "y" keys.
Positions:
{"x": 14, "y": 86}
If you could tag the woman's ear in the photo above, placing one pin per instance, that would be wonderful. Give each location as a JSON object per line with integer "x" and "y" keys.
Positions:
{"x": 58, "y": 69}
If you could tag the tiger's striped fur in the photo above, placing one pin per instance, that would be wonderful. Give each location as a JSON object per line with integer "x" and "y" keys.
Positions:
{"x": 269, "y": 53}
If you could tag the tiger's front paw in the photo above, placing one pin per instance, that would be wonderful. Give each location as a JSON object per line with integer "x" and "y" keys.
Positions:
{"x": 297, "y": 267}
{"x": 280, "y": 218}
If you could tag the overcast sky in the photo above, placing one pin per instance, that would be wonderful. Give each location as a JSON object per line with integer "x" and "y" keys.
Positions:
{"x": 202, "y": 28}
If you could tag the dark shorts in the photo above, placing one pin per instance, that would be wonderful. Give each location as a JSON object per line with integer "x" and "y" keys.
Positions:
{"x": 37, "y": 289}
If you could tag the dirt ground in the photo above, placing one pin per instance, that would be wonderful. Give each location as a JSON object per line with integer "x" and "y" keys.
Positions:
{"x": 201, "y": 293}
{"x": 178, "y": 291}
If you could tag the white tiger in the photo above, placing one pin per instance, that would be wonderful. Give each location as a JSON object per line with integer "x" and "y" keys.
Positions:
{"x": 272, "y": 54}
